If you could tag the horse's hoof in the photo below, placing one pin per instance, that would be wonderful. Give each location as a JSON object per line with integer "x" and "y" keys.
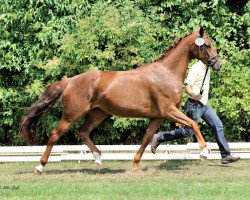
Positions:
{"x": 204, "y": 154}
{"x": 135, "y": 167}
{"x": 98, "y": 166}
{"x": 36, "y": 171}
{"x": 203, "y": 158}
{"x": 39, "y": 169}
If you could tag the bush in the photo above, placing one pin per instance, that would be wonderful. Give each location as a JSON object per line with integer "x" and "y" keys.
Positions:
{"x": 43, "y": 41}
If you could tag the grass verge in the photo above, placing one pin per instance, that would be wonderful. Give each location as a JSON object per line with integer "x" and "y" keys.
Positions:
{"x": 156, "y": 180}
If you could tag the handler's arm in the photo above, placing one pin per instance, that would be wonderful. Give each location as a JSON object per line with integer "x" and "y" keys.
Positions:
{"x": 194, "y": 96}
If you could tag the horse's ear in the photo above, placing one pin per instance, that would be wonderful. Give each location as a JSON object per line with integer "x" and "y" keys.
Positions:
{"x": 201, "y": 31}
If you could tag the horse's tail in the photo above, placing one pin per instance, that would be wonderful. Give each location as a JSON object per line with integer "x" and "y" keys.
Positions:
{"x": 50, "y": 96}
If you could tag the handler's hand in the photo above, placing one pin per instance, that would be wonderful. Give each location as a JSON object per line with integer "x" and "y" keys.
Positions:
{"x": 196, "y": 97}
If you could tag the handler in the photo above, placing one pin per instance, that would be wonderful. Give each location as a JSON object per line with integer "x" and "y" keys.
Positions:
{"x": 197, "y": 87}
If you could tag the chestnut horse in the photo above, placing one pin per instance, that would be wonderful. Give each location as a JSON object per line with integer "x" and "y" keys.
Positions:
{"x": 153, "y": 90}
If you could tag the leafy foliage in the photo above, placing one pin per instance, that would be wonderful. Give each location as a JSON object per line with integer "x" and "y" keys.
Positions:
{"x": 42, "y": 41}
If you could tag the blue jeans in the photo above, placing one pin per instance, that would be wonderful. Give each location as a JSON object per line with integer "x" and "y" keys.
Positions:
{"x": 195, "y": 111}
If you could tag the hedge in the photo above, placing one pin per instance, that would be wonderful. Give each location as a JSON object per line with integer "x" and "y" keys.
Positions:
{"x": 44, "y": 40}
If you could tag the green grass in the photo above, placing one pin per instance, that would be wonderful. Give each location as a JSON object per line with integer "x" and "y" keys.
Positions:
{"x": 115, "y": 181}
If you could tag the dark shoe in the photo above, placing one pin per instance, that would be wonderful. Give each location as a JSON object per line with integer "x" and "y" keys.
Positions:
{"x": 229, "y": 159}
{"x": 155, "y": 143}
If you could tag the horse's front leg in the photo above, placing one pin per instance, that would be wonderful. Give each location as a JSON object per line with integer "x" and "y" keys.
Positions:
{"x": 153, "y": 126}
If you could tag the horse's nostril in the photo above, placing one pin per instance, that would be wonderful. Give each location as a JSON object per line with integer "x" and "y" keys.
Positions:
{"x": 217, "y": 66}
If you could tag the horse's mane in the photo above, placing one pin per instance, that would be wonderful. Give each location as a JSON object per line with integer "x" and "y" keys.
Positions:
{"x": 173, "y": 46}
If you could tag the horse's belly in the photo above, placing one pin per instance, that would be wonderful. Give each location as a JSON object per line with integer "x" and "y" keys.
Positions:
{"x": 128, "y": 107}
{"x": 129, "y": 112}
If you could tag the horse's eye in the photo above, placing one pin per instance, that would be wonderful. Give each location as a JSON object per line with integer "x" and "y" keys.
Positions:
{"x": 208, "y": 46}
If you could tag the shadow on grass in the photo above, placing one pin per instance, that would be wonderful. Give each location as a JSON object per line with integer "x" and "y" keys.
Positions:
{"x": 218, "y": 165}
{"x": 169, "y": 165}
{"x": 99, "y": 171}
{"x": 87, "y": 171}
{"x": 93, "y": 171}
{"x": 175, "y": 165}
{"x": 186, "y": 164}
{"x": 82, "y": 171}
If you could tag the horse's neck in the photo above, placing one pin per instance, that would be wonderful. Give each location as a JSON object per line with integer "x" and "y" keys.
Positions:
{"x": 177, "y": 59}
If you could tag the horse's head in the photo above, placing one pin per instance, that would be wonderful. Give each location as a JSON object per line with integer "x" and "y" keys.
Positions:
{"x": 203, "y": 50}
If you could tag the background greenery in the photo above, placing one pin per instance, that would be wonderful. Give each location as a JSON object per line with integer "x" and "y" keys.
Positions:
{"x": 42, "y": 41}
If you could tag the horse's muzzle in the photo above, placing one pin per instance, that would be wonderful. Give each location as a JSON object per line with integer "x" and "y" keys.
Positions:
{"x": 217, "y": 66}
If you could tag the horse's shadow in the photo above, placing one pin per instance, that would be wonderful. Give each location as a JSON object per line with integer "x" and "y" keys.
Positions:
{"x": 169, "y": 165}
{"x": 87, "y": 171}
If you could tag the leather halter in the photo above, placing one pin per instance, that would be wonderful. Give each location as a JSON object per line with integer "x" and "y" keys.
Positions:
{"x": 210, "y": 62}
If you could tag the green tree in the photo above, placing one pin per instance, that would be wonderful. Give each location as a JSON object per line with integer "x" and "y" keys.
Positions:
{"x": 44, "y": 40}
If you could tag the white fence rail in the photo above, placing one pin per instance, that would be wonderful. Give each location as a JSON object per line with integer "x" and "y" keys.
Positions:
{"x": 117, "y": 152}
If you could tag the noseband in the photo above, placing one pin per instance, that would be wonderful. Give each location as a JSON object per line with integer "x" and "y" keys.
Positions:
{"x": 210, "y": 61}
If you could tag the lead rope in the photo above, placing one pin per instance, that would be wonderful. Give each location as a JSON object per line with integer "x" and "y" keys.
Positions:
{"x": 201, "y": 90}
{"x": 208, "y": 65}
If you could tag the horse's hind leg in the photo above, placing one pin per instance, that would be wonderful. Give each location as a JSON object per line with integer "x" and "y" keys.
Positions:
{"x": 153, "y": 126}
{"x": 92, "y": 120}
{"x": 56, "y": 133}
{"x": 73, "y": 109}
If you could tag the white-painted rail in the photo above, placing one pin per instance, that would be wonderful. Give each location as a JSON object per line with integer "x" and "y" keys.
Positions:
{"x": 117, "y": 152}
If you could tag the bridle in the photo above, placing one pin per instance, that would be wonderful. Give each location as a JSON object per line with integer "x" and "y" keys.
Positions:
{"x": 210, "y": 60}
